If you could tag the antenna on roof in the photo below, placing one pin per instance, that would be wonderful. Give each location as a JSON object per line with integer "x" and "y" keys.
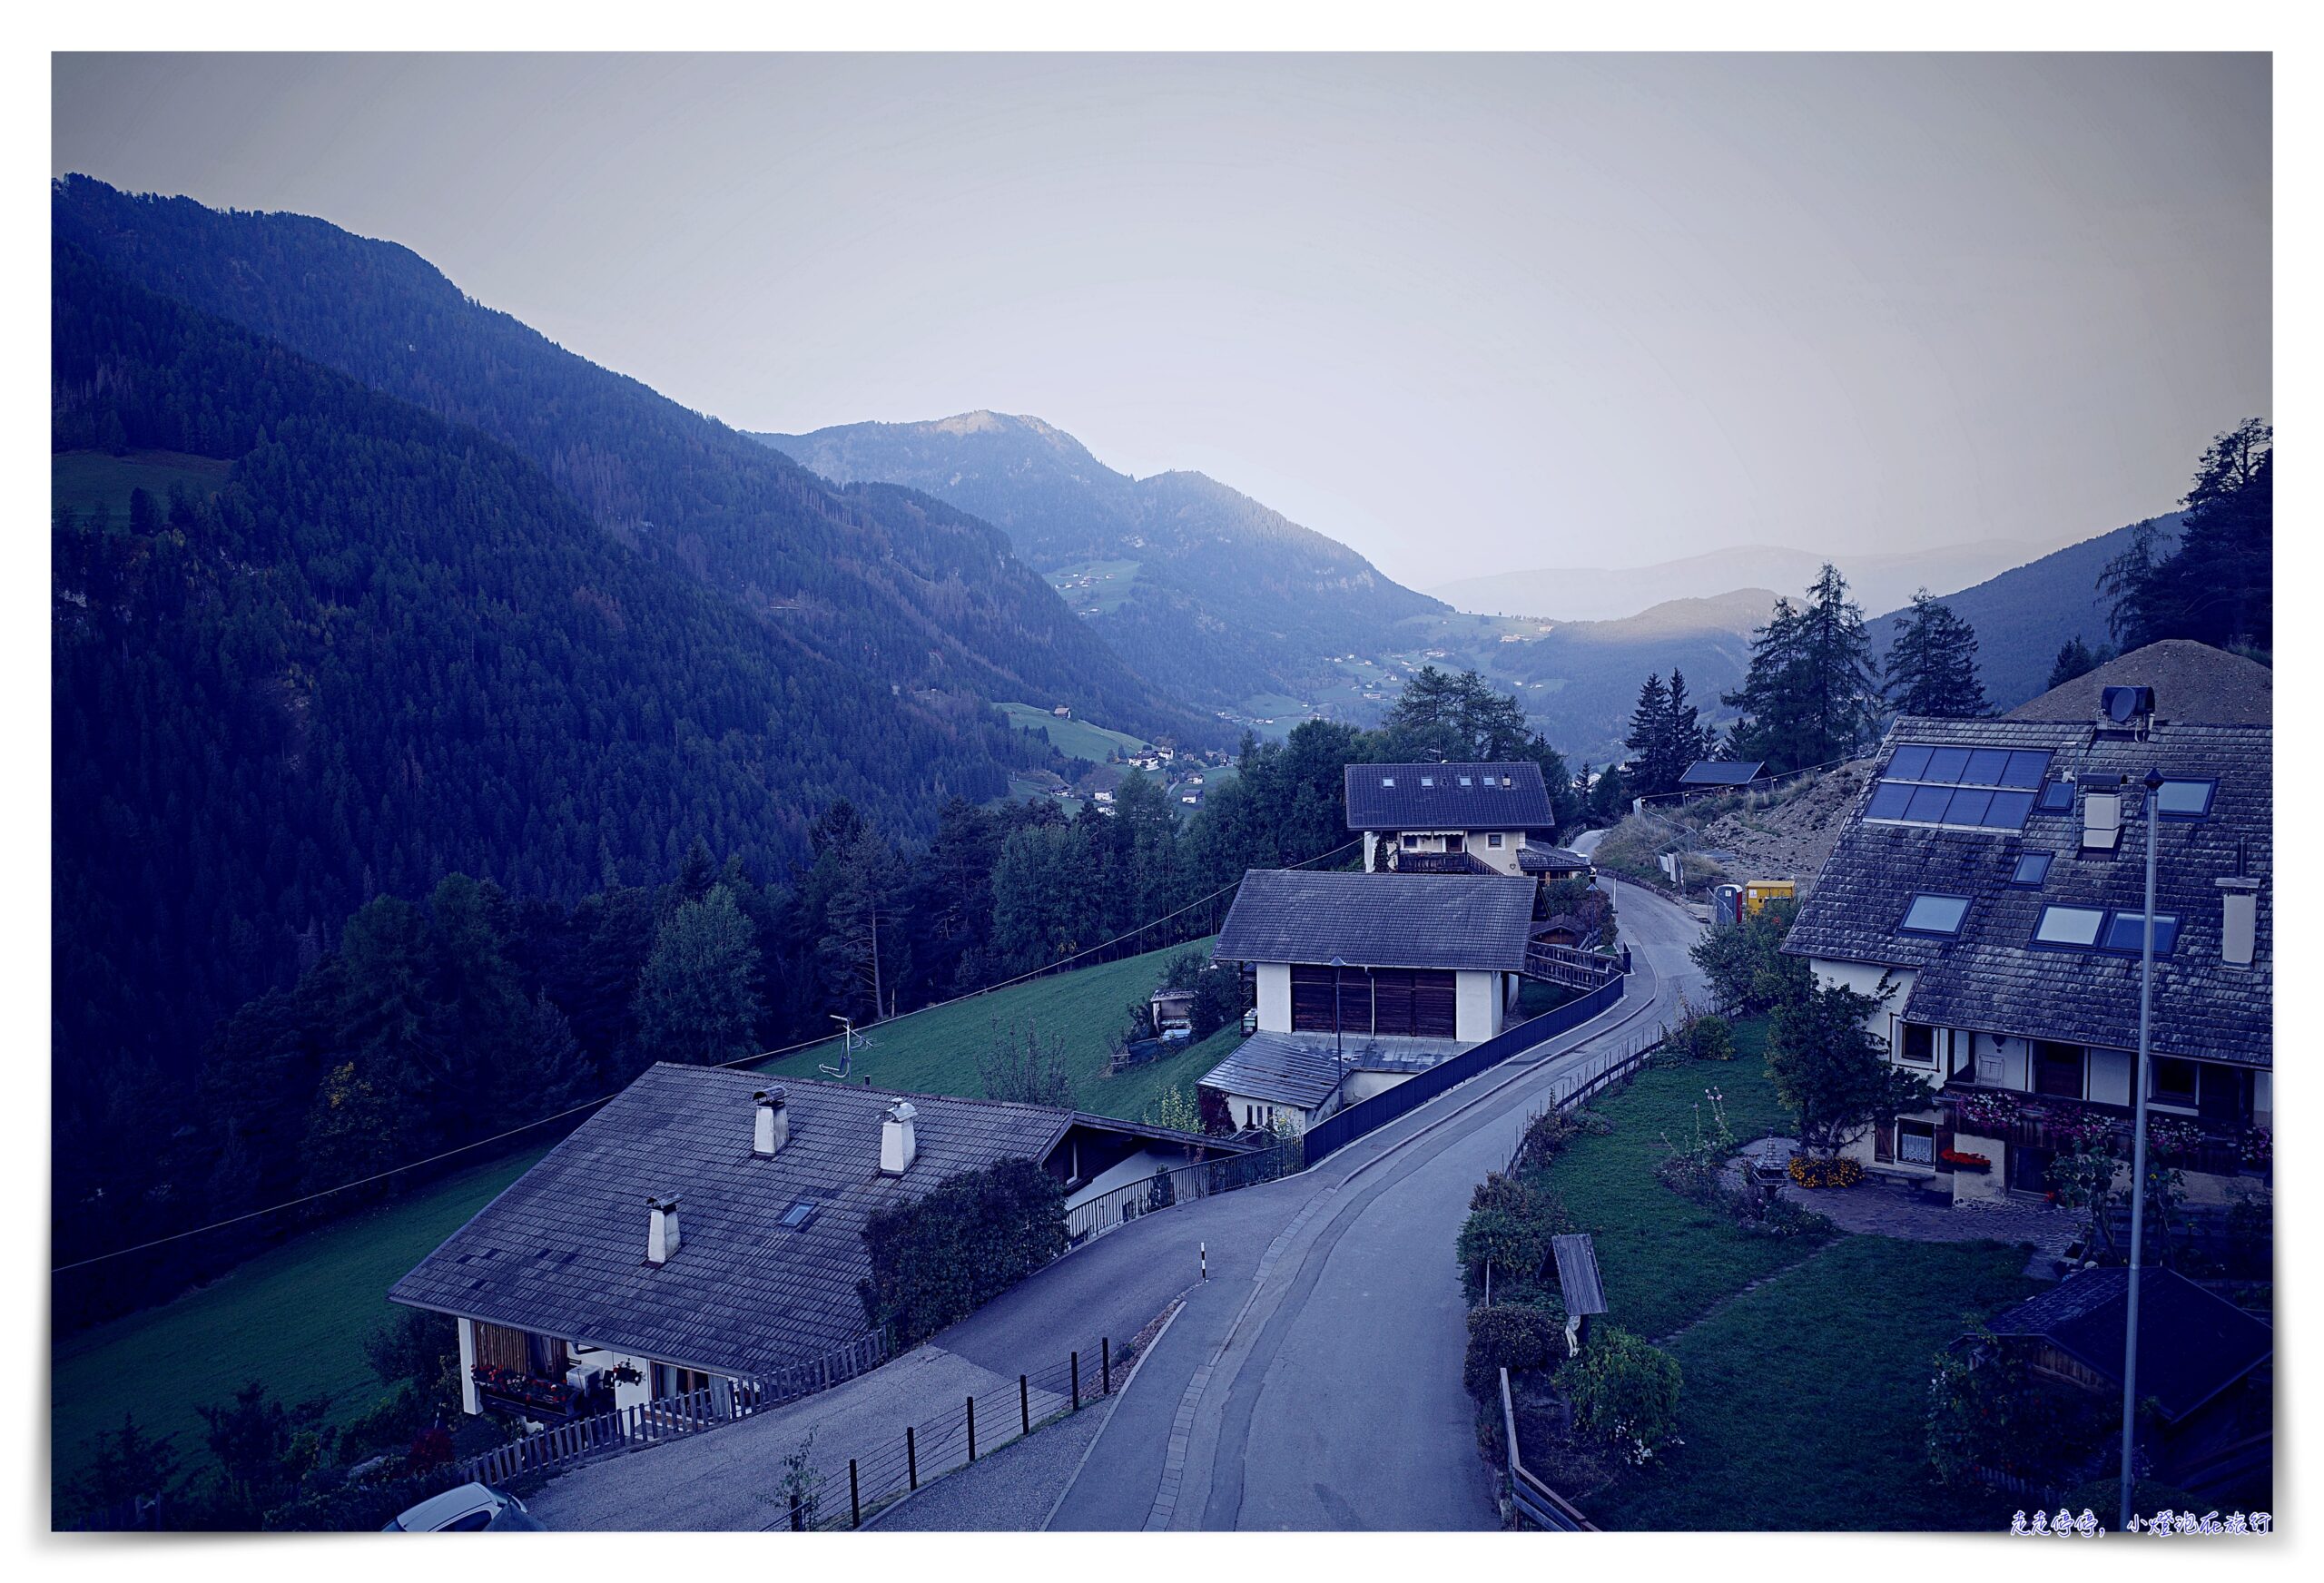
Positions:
{"x": 850, "y": 1041}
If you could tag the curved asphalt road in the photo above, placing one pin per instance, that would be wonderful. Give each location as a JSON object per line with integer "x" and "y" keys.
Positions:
{"x": 1316, "y": 1383}
{"x": 1313, "y": 1381}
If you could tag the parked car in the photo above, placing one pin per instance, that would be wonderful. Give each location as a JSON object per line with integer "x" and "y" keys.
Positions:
{"x": 467, "y": 1509}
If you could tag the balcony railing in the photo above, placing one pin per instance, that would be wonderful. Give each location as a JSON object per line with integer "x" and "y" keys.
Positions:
{"x": 2042, "y": 1122}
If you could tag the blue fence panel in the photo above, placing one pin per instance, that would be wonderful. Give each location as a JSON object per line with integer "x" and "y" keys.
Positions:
{"x": 1337, "y": 1131}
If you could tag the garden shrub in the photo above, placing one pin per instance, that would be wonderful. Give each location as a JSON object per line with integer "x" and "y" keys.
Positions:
{"x": 1817, "y": 1171}
{"x": 1709, "y": 1037}
{"x": 1625, "y": 1394}
{"x": 1510, "y": 1336}
{"x": 947, "y": 1254}
{"x": 1546, "y": 1137}
{"x": 1511, "y": 1221}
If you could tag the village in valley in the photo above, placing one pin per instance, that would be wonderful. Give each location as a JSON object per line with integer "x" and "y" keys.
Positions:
{"x": 619, "y": 972}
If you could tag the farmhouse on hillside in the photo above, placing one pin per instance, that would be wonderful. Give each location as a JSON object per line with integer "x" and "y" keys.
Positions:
{"x": 704, "y": 1230}
{"x": 1457, "y": 819}
{"x": 1992, "y": 879}
{"x": 1363, "y": 979}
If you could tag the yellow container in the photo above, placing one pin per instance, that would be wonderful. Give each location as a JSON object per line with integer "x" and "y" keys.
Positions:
{"x": 1758, "y": 891}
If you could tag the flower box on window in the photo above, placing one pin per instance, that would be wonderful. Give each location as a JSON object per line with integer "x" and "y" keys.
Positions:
{"x": 1961, "y": 1160}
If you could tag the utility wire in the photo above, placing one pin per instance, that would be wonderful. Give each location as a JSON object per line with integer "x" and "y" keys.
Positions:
{"x": 601, "y": 1099}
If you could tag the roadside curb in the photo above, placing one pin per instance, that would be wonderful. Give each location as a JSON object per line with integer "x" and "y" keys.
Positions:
{"x": 1177, "y": 1305}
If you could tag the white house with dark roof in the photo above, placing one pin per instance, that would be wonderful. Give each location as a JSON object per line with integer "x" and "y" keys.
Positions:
{"x": 1460, "y": 818}
{"x": 1994, "y": 880}
{"x": 705, "y": 1228}
{"x": 1384, "y": 974}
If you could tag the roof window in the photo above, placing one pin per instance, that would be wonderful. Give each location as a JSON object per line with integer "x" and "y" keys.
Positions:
{"x": 2057, "y": 797}
{"x": 1932, "y": 914}
{"x": 1467, "y": 781}
{"x": 1388, "y": 783}
{"x": 2185, "y": 799}
{"x": 2032, "y": 868}
{"x": 1428, "y": 780}
{"x": 2069, "y": 925}
{"x": 2125, "y": 933}
{"x": 797, "y": 1216}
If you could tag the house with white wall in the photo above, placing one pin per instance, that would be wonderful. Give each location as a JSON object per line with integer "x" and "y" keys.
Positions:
{"x": 1991, "y": 882}
{"x": 1384, "y": 974}
{"x": 1458, "y": 819}
{"x": 705, "y": 1228}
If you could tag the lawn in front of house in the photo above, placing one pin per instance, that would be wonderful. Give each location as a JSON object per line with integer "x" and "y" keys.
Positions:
{"x": 295, "y": 1317}
{"x": 1665, "y": 1259}
{"x": 1802, "y": 1403}
{"x": 1082, "y": 1012}
{"x": 1804, "y": 1360}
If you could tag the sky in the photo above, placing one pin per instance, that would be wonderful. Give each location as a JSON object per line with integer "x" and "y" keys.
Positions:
{"x": 1461, "y": 312}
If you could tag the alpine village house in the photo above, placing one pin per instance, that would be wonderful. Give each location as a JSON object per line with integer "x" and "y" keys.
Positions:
{"x": 1992, "y": 883}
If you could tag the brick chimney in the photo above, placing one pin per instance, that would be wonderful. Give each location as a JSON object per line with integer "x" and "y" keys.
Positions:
{"x": 661, "y": 1229}
{"x": 770, "y": 1129}
{"x": 898, "y": 1145}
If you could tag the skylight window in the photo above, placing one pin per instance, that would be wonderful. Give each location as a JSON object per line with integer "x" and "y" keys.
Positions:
{"x": 2032, "y": 868}
{"x": 2126, "y": 933}
{"x": 1931, "y": 914}
{"x": 1466, "y": 781}
{"x": 1428, "y": 780}
{"x": 797, "y": 1216}
{"x": 2185, "y": 799}
{"x": 1964, "y": 788}
{"x": 2057, "y": 797}
{"x": 2069, "y": 925}
{"x": 1388, "y": 783}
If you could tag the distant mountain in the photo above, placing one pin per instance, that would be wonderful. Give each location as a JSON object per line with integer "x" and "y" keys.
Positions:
{"x": 1578, "y": 679}
{"x": 1882, "y": 581}
{"x": 2024, "y": 616}
{"x": 1200, "y": 589}
{"x": 907, "y": 590}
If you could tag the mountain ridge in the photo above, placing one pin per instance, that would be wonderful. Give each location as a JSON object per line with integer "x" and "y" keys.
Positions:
{"x": 1272, "y": 600}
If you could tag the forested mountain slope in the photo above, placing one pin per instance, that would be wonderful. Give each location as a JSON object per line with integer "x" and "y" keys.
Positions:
{"x": 1207, "y": 592}
{"x": 386, "y": 648}
{"x": 2024, "y": 616}
{"x": 909, "y": 591}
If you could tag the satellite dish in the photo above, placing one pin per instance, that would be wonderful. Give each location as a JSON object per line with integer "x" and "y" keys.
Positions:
{"x": 2124, "y": 704}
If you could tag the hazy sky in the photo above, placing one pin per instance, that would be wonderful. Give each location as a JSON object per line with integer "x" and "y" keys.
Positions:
{"x": 1458, "y": 311}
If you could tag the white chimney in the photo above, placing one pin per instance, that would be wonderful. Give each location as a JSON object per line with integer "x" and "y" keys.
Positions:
{"x": 772, "y": 1128}
{"x": 898, "y": 1147}
{"x": 2102, "y": 820}
{"x": 2238, "y": 919}
{"x": 661, "y": 1229}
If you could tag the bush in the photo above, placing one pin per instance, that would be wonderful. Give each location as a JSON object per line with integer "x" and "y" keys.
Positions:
{"x": 1709, "y": 1037}
{"x": 1510, "y": 1224}
{"x": 1817, "y": 1171}
{"x": 1546, "y": 1137}
{"x": 1625, "y": 1394}
{"x": 1510, "y": 1336}
{"x": 946, "y": 1254}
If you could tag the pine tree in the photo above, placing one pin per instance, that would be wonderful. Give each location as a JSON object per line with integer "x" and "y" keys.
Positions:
{"x": 2218, "y": 586}
{"x": 694, "y": 1002}
{"x": 2076, "y": 659}
{"x": 1808, "y": 697}
{"x": 1932, "y": 669}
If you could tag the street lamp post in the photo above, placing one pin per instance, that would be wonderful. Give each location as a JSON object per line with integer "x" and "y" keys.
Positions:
{"x": 2138, "y": 1168}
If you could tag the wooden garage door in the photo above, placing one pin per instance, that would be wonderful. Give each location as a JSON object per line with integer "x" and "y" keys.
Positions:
{"x": 1436, "y": 1005}
{"x": 1311, "y": 999}
{"x": 1392, "y": 1001}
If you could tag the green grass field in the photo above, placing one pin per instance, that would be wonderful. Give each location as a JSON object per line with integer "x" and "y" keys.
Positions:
{"x": 1096, "y": 587}
{"x": 295, "y": 1317}
{"x": 1076, "y": 738}
{"x": 87, "y": 480}
{"x": 1802, "y": 1401}
{"x": 935, "y": 1051}
{"x": 1802, "y": 1398}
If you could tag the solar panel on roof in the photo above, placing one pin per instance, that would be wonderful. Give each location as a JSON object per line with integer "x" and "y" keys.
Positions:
{"x": 1968, "y": 788}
